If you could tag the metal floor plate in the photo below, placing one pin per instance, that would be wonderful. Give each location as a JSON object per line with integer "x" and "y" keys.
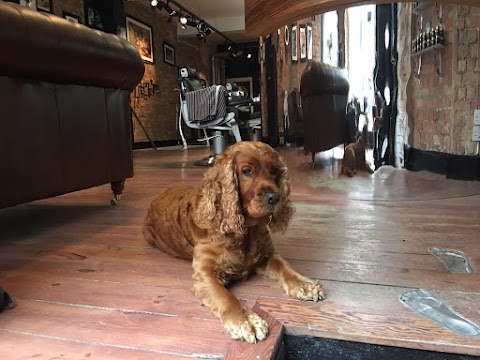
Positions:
{"x": 454, "y": 260}
{"x": 432, "y": 307}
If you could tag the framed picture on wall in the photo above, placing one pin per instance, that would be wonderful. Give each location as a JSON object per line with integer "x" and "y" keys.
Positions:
{"x": 294, "y": 42}
{"x": 44, "y": 5}
{"x": 71, "y": 17}
{"x": 168, "y": 54}
{"x": 287, "y": 35}
{"x": 309, "y": 42}
{"x": 140, "y": 35}
{"x": 303, "y": 42}
{"x": 93, "y": 18}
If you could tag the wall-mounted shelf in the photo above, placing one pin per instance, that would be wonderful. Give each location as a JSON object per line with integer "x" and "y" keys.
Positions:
{"x": 429, "y": 39}
{"x": 430, "y": 48}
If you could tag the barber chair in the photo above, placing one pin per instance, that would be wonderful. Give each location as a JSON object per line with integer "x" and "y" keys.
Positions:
{"x": 215, "y": 109}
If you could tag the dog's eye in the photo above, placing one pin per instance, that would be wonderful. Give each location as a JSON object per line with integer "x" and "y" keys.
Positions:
{"x": 274, "y": 171}
{"x": 247, "y": 172}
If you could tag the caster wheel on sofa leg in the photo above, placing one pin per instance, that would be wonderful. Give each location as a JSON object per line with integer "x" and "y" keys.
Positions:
{"x": 117, "y": 188}
{"x": 115, "y": 200}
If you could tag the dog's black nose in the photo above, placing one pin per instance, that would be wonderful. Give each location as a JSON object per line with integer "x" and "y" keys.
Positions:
{"x": 271, "y": 198}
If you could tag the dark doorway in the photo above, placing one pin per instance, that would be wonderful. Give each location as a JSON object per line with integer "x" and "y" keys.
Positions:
{"x": 273, "y": 138}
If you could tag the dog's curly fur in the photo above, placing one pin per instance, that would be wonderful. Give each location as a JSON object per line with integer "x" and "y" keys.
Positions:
{"x": 224, "y": 226}
{"x": 354, "y": 156}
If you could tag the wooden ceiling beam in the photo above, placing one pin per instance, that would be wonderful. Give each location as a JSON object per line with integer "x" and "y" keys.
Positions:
{"x": 263, "y": 17}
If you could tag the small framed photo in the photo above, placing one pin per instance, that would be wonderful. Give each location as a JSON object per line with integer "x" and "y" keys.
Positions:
{"x": 140, "y": 35}
{"x": 287, "y": 35}
{"x": 309, "y": 42}
{"x": 44, "y": 5}
{"x": 294, "y": 42}
{"x": 303, "y": 42}
{"x": 71, "y": 17}
{"x": 168, "y": 54}
{"x": 93, "y": 18}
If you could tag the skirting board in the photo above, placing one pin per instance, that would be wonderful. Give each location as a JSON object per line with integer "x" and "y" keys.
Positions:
{"x": 458, "y": 167}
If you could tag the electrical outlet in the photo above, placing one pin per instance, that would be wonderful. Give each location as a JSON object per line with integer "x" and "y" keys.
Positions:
{"x": 476, "y": 133}
{"x": 476, "y": 117}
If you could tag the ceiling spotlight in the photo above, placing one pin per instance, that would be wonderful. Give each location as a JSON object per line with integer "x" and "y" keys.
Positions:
{"x": 154, "y": 2}
{"x": 183, "y": 20}
{"x": 201, "y": 26}
{"x": 249, "y": 56}
{"x": 169, "y": 9}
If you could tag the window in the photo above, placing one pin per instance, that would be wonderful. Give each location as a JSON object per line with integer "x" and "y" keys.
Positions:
{"x": 330, "y": 38}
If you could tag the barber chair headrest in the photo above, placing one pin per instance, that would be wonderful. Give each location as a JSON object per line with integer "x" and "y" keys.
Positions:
{"x": 231, "y": 86}
{"x": 188, "y": 72}
{"x": 189, "y": 80}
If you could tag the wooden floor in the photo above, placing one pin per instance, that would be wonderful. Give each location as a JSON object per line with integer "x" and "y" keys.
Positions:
{"x": 86, "y": 286}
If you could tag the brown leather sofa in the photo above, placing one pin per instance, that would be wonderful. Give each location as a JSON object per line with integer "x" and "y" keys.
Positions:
{"x": 64, "y": 106}
{"x": 324, "y": 90}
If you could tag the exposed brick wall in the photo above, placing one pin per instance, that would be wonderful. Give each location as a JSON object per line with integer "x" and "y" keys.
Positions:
{"x": 442, "y": 106}
{"x": 289, "y": 73}
{"x": 71, "y": 6}
{"x": 159, "y": 112}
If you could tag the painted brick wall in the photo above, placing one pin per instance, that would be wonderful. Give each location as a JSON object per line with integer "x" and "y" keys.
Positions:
{"x": 442, "y": 106}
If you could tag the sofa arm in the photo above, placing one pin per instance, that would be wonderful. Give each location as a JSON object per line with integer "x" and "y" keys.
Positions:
{"x": 45, "y": 47}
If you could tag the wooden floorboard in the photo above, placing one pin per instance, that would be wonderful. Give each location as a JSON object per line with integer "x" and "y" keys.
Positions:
{"x": 17, "y": 345}
{"x": 87, "y": 286}
{"x": 373, "y": 314}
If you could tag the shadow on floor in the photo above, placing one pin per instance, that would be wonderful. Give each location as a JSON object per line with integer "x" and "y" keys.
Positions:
{"x": 313, "y": 348}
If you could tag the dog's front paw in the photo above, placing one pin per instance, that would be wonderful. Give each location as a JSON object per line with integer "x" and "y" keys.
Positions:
{"x": 247, "y": 327}
{"x": 306, "y": 290}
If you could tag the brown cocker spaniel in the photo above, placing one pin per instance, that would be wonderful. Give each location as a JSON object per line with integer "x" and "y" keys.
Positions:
{"x": 225, "y": 226}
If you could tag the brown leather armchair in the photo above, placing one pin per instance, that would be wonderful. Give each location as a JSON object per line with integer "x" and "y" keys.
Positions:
{"x": 64, "y": 106}
{"x": 324, "y": 90}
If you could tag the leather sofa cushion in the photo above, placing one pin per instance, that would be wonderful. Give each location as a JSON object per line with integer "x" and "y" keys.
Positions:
{"x": 59, "y": 51}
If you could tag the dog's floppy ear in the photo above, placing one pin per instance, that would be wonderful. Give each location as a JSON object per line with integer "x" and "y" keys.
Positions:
{"x": 219, "y": 204}
{"x": 282, "y": 217}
